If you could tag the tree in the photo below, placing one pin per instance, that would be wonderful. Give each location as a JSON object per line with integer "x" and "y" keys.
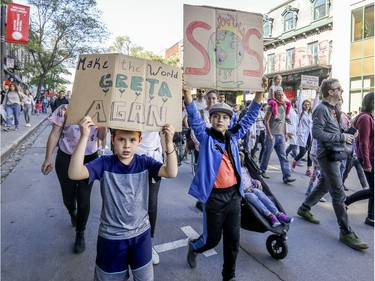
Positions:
{"x": 123, "y": 44}
{"x": 59, "y": 31}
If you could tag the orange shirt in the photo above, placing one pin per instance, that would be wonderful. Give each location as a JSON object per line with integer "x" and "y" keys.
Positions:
{"x": 225, "y": 176}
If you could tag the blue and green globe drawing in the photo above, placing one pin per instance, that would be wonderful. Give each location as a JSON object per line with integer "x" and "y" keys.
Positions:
{"x": 225, "y": 50}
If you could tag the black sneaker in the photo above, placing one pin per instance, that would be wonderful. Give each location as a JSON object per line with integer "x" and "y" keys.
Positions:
{"x": 79, "y": 244}
{"x": 191, "y": 255}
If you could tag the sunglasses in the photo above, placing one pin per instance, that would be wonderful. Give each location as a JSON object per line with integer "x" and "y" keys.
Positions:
{"x": 338, "y": 88}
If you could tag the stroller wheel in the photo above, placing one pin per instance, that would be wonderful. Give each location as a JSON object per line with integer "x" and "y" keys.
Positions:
{"x": 277, "y": 247}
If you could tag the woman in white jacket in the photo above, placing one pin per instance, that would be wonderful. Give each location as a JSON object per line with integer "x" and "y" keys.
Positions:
{"x": 304, "y": 135}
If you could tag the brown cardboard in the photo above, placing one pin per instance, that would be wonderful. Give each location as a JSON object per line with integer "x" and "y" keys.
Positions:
{"x": 223, "y": 49}
{"x": 124, "y": 92}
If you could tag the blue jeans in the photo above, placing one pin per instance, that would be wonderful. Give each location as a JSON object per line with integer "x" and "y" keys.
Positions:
{"x": 279, "y": 145}
{"x": 15, "y": 110}
{"x": 292, "y": 148}
{"x": 261, "y": 201}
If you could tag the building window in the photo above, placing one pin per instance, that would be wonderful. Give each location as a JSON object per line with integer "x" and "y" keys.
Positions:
{"x": 313, "y": 49}
{"x": 290, "y": 58}
{"x": 266, "y": 29}
{"x": 267, "y": 26}
{"x": 363, "y": 23}
{"x": 320, "y": 9}
{"x": 289, "y": 21}
{"x": 271, "y": 63}
{"x": 290, "y": 18}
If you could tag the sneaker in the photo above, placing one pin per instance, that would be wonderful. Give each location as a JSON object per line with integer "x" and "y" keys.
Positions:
{"x": 155, "y": 257}
{"x": 191, "y": 255}
{"x": 294, "y": 165}
{"x": 6, "y": 129}
{"x": 308, "y": 173}
{"x": 274, "y": 221}
{"x": 16, "y": 128}
{"x": 264, "y": 175}
{"x": 322, "y": 200}
{"x": 79, "y": 244}
{"x": 299, "y": 164}
{"x": 307, "y": 215}
{"x": 353, "y": 241}
{"x": 28, "y": 125}
{"x": 288, "y": 180}
{"x": 369, "y": 221}
{"x": 284, "y": 218}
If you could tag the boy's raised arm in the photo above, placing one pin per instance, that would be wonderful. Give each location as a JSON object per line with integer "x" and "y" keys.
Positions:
{"x": 170, "y": 167}
{"x": 77, "y": 171}
{"x": 259, "y": 95}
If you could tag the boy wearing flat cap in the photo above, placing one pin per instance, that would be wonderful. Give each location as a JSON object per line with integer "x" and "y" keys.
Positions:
{"x": 217, "y": 183}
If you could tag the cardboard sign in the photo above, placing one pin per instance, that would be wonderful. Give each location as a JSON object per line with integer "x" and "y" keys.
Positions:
{"x": 309, "y": 82}
{"x": 223, "y": 49}
{"x": 124, "y": 92}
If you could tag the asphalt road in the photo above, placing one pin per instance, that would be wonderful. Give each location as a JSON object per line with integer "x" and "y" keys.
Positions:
{"x": 37, "y": 237}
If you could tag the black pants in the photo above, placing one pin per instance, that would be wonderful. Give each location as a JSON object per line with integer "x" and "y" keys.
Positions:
{"x": 259, "y": 139}
{"x": 365, "y": 193}
{"x": 222, "y": 213}
{"x": 76, "y": 194}
{"x": 153, "y": 203}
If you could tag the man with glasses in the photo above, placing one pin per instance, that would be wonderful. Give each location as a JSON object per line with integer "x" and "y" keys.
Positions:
{"x": 327, "y": 130}
{"x": 200, "y": 101}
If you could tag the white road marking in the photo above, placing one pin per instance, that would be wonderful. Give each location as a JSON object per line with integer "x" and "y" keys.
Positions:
{"x": 190, "y": 233}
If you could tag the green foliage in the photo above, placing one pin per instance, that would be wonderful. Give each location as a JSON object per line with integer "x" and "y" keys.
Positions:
{"x": 60, "y": 30}
{"x": 124, "y": 45}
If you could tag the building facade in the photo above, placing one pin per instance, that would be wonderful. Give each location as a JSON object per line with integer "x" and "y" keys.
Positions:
{"x": 353, "y": 58}
{"x": 297, "y": 38}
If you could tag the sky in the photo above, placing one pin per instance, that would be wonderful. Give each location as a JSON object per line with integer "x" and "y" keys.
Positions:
{"x": 157, "y": 25}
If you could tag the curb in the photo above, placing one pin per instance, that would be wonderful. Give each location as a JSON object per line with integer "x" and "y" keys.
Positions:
{"x": 16, "y": 143}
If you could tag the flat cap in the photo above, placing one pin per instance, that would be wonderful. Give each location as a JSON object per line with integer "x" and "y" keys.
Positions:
{"x": 221, "y": 107}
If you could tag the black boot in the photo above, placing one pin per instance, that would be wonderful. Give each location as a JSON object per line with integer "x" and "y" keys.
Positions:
{"x": 79, "y": 244}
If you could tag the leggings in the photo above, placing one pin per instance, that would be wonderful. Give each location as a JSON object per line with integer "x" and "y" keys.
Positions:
{"x": 275, "y": 111}
{"x": 153, "y": 203}
{"x": 76, "y": 194}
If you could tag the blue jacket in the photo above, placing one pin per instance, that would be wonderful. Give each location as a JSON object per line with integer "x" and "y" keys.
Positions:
{"x": 211, "y": 149}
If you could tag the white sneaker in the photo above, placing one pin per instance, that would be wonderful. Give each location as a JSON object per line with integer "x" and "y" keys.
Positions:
{"x": 28, "y": 125}
{"x": 155, "y": 257}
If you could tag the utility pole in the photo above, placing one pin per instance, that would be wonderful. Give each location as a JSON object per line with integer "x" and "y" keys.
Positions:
{"x": 2, "y": 44}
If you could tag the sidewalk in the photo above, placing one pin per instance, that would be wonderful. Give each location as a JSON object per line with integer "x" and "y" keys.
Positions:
{"x": 11, "y": 140}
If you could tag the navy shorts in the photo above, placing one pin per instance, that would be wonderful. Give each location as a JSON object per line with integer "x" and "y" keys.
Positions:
{"x": 116, "y": 256}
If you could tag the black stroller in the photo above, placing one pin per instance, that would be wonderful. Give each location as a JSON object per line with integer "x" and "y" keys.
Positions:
{"x": 253, "y": 220}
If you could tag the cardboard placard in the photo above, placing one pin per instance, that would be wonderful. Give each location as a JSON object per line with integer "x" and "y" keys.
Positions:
{"x": 309, "y": 82}
{"x": 124, "y": 92}
{"x": 223, "y": 49}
